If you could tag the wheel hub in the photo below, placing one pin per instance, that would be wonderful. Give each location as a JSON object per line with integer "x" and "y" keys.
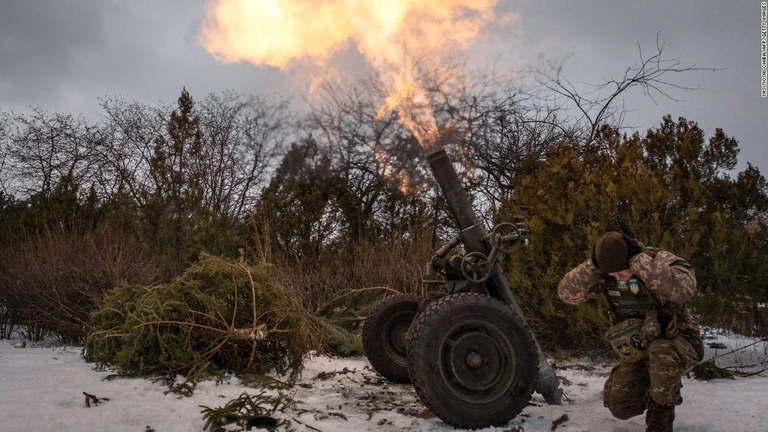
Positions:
{"x": 476, "y": 361}
{"x": 397, "y": 337}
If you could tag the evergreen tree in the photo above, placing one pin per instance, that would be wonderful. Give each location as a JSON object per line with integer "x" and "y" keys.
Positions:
{"x": 174, "y": 205}
{"x": 668, "y": 189}
{"x": 297, "y": 206}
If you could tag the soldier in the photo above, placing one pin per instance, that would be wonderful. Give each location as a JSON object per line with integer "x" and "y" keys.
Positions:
{"x": 653, "y": 332}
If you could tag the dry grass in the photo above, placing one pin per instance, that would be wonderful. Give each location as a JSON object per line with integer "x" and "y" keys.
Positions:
{"x": 348, "y": 280}
{"x": 50, "y": 284}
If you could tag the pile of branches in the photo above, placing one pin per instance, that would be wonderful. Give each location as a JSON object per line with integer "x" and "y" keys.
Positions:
{"x": 220, "y": 315}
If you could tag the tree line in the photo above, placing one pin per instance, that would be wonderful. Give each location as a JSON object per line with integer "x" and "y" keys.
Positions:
{"x": 340, "y": 198}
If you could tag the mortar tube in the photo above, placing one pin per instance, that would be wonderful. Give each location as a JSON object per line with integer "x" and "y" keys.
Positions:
{"x": 472, "y": 233}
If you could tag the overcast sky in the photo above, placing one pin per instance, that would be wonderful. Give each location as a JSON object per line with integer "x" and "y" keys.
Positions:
{"x": 62, "y": 55}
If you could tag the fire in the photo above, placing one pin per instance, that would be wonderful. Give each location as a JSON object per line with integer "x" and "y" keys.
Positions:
{"x": 390, "y": 34}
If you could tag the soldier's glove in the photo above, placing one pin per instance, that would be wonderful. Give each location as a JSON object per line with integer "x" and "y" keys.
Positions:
{"x": 651, "y": 329}
{"x": 671, "y": 330}
{"x": 593, "y": 258}
{"x": 633, "y": 247}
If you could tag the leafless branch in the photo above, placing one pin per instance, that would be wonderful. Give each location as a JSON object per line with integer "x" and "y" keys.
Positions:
{"x": 598, "y": 104}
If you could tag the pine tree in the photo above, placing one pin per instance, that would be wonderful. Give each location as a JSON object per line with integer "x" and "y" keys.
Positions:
{"x": 174, "y": 209}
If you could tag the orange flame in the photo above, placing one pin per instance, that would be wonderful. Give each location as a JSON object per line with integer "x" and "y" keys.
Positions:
{"x": 284, "y": 33}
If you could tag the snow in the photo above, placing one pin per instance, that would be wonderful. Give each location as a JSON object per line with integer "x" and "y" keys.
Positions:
{"x": 42, "y": 389}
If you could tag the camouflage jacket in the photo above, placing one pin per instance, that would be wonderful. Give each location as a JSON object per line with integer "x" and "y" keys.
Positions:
{"x": 669, "y": 277}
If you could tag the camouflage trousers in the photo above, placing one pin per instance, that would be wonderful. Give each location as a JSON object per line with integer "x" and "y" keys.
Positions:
{"x": 659, "y": 377}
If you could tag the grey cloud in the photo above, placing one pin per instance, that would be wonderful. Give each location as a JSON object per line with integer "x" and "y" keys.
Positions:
{"x": 63, "y": 55}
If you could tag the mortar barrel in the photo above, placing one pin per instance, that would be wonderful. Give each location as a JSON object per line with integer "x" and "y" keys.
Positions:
{"x": 472, "y": 231}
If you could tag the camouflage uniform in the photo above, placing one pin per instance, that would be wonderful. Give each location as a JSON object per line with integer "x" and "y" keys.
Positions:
{"x": 661, "y": 286}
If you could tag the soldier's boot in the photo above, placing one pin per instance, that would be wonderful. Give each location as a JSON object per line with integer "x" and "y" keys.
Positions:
{"x": 659, "y": 418}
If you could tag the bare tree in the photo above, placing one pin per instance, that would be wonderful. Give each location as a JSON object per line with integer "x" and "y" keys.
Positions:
{"x": 4, "y": 155}
{"x": 599, "y": 105}
{"x": 241, "y": 140}
{"x": 239, "y": 137}
{"x": 376, "y": 159}
{"x": 494, "y": 132}
{"x": 129, "y": 130}
{"x": 509, "y": 131}
{"x": 497, "y": 130}
{"x": 45, "y": 149}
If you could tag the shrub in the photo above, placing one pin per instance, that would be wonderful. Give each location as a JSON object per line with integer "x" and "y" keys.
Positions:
{"x": 219, "y": 315}
{"x": 51, "y": 282}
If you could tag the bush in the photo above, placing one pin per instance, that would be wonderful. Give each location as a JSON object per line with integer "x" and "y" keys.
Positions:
{"x": 219, "y": 315}
{"x": 51, "y": 282}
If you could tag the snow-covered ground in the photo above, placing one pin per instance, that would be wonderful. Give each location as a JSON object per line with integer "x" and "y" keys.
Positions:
{"x": 42, "y": 389}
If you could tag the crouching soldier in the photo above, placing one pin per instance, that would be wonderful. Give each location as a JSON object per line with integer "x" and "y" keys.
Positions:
{"x": 653, "y": 333}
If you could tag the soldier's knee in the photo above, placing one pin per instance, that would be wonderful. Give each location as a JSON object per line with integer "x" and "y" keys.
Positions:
{"x": 623, "y": 405}
{"x": 624, "y": 391}
{"x": 626, "y": 411}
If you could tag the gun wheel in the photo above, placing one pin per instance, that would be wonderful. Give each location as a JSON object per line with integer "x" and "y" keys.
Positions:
{"x": 504, "y": 229}
{"x": 384, "y": 334}
{"x": 472, "y": 361}
{"x": 475, "y": 267}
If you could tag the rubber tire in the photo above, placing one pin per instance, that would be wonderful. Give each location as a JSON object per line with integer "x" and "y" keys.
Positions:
{"x": 437, "y": 352}
{"x": 384, "y": 333}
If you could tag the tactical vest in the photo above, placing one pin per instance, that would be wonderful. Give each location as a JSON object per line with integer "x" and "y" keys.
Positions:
{"x": 630, "y": 299}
